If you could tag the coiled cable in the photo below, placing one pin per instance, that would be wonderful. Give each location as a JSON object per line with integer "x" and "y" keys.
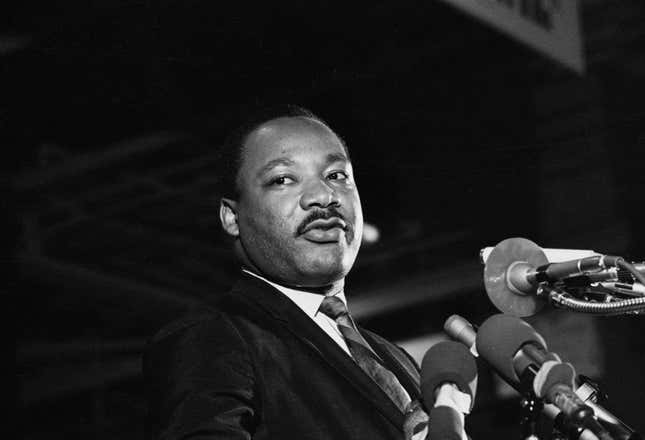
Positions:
{"x": 564, "y": 300}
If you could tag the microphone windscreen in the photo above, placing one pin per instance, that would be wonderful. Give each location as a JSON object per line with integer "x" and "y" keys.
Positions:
{"x": 448, "y": 362}
{"x": 444, "y": 423}
{"x": 500, "y": 337}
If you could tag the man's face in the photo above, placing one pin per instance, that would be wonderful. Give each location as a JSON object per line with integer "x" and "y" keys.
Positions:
{"x": 299, "y": 214}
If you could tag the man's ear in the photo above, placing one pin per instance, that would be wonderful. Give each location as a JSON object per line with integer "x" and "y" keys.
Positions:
{"x": 228, "y": 216}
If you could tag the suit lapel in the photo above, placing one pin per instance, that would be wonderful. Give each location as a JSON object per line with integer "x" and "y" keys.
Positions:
{"x": 259, "y": 294}
{"x": 397, "y": 361}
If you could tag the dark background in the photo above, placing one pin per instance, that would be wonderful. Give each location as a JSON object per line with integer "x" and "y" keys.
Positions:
{"x": 460, "y": 138}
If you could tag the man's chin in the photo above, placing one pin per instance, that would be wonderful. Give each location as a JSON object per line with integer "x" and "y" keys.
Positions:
{"x": 320, "y": 274}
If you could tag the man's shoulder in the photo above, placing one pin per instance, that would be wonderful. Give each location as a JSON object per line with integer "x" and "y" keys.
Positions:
{"x": 223, "y": 313}
{"x": 203, "y": 316}
{"x": 200, "y": 336}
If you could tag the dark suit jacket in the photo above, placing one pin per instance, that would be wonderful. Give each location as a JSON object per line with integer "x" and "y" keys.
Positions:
{"x": 257, "y": 366}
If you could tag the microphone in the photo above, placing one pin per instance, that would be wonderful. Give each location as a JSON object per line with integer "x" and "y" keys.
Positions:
{"x": 445, "y": 423}
{"x": 448, "y": 385}
{"x": 520, "y": 354}
{"x": 463, "y": 331}
{"x": 516, "y": 266}
{"x": 515, "y": 350}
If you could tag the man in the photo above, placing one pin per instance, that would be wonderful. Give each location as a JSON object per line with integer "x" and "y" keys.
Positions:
{"x": 279, "y": 356}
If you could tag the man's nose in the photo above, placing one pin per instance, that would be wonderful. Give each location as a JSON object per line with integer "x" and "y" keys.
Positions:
{"x": 319, "y": 193}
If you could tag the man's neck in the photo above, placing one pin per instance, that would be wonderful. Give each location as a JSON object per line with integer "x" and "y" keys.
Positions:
{"x": 248, "y": 265}
{"x": 327, "y": 289}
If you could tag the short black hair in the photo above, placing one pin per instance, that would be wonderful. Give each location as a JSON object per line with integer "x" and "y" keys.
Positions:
{"x": 230, "y": 157}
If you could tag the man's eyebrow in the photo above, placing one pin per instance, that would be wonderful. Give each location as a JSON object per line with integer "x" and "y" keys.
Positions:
{"x": 284, "y": 161}
{"x": 336, "y": 157}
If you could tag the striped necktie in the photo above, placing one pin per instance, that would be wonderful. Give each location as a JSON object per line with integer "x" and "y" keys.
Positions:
{"x": 362, "y": 353}
{"x": 416, "y": 419}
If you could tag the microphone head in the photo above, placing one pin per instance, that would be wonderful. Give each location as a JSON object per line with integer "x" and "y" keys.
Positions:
{"x": 460, "y": 329}
{"x": 506, "y": 287}
{"x": 500, "y": 337}
{"x": 448, "y": 361}
{"x": 444, "y": 423}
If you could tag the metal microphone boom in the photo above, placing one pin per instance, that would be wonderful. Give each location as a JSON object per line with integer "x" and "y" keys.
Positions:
{"x": 520, "y": 278}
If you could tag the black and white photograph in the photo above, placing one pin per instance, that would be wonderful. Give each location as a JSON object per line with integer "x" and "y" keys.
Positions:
{"x": 386, "y": 220}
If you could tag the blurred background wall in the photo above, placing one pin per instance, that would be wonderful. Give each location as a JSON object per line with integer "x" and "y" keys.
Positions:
{"x": 460, "y": 134}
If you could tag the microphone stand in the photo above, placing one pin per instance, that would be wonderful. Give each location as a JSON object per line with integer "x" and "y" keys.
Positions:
{"x": 590, "y": 393}
{"x": 530, "y": 409}
{"x": 563, "y": 428}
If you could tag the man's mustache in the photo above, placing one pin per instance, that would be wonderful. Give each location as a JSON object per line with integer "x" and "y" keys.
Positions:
{"x": 325, "y": 214}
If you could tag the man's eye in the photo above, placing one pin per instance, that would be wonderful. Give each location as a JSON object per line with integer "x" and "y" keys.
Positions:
{"x": 282, "y": 180}
{"x": 338, "y": 175}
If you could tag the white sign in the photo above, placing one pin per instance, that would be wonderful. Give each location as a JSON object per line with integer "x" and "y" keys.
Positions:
{"x": 549, "y": 26}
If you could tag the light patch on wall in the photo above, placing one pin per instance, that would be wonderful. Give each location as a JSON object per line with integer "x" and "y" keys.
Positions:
{"x": 371, "y": 234}
{"x": 417, "y": 347}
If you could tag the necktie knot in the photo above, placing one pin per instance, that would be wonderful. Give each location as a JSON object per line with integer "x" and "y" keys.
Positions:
{"x": 333, "y": 307}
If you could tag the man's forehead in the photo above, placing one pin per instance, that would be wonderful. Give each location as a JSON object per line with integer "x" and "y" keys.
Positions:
{"x": 291, "y": 125}
{"x": 278, "y": 136}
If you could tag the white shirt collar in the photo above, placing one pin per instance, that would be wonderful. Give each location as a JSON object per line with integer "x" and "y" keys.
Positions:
{"x": 307, "y": 301}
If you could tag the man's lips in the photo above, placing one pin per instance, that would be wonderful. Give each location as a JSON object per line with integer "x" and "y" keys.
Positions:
{"x": 325, "y": 224}
{"x": 325, "y": 230}
{"x": 332, "y": 235}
